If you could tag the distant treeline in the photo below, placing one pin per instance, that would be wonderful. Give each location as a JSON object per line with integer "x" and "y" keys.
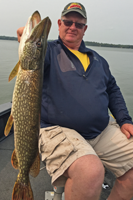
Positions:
{"x": 8, "y": 38}
{"x": 86, "y": 43}
{"x": 108, "y": 45}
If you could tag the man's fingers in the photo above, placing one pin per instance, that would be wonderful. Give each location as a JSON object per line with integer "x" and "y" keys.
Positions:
{"x": 127, "y": 129}
{"x": 19, "y": 33}
{"x": 18, "y": 36}
{"x": 127, "y": 134}
{"x": 131, "y": 132}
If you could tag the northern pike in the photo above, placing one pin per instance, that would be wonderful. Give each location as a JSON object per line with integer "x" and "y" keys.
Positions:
{"x": 26, "y": 104}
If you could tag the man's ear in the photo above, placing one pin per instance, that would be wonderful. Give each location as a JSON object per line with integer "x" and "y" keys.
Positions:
{"x": 59, "y": 23}
{"x": 85, "y": 28}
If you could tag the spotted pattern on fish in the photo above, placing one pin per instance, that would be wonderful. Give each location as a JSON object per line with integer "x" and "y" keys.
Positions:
{"x": 25, "y": 112}
{"x": 26, "y": 106}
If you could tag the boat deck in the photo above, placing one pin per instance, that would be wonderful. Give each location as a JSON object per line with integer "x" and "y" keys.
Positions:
{"x": 40, "y": 184}
{"x": 8, "y": 174}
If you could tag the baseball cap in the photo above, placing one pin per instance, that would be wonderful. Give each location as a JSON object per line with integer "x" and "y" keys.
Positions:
{"x": 74, "y": 7}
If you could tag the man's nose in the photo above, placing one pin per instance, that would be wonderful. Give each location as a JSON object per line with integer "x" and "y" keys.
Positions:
{"x": 73, "y": 26}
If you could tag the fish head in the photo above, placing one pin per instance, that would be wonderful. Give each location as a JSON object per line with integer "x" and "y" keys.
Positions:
{"x": 33, "y": 42}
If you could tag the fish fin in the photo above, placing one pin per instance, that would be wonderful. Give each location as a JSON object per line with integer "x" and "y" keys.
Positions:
{"x": 14, "y": 160}
{"x": 35, "y": 168}
{"x": 8, "y": 125}
{"x": 14, "y": 72}
{"x": 22, "y": 192}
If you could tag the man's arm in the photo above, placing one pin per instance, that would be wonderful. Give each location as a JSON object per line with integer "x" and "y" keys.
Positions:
{"x": 118, "y": 108}
{"x": 117, "y": 104}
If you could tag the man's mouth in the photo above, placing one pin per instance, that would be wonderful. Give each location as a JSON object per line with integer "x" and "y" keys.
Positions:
{"x": 72, "y": 34}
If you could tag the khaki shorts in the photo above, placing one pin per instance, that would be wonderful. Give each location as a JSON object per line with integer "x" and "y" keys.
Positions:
{"x": 60, "y": 147}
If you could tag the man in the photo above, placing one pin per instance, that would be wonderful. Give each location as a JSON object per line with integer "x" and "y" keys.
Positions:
{"x": 76, "y": 137}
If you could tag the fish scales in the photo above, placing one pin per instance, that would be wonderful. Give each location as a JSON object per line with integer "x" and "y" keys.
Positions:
{"x": 26, "y": 106}
{"x": 26, "y": 118}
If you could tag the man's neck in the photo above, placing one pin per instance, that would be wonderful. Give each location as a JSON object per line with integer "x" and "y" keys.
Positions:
{"x": 72, "y": 46}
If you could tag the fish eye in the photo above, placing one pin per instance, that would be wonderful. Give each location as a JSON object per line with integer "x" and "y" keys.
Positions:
{"x": 39, "y": 44}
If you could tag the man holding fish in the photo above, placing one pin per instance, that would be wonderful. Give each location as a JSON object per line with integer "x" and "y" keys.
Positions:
{"x": 77, "y": 137}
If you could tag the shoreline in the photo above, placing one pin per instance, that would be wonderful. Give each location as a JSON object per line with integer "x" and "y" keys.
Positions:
{"x": 87, "y": 43}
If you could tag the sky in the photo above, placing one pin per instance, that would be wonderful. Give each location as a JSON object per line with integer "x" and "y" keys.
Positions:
{"x": 109, "y": 21}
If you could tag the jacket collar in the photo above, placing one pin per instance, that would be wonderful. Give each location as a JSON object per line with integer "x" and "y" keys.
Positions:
{"x": 82, "y": 48}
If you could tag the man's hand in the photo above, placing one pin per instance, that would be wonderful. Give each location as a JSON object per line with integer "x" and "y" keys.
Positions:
{"x": 127, "y": 129}
{"x": 19, "y": 33}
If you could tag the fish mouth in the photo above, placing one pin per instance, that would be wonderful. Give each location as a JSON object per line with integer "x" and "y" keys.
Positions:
{"x": 39, "y": 28}
{"x": 35, "y": 30}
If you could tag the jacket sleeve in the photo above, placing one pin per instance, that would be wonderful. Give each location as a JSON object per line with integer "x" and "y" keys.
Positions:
{"x": 46, "y": 67}
{"x": 117, "y": 103}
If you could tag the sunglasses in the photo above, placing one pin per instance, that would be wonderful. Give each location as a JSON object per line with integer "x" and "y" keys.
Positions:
{"x": 69, "y": 23}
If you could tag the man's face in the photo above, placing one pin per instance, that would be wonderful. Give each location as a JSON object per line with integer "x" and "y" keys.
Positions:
{"x": 71, "y": 36}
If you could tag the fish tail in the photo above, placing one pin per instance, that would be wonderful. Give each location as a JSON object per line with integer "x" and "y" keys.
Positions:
{"x": 22, "y": 192}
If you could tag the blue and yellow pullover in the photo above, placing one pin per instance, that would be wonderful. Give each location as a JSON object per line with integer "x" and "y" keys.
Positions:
{"x": 79, "y": 99}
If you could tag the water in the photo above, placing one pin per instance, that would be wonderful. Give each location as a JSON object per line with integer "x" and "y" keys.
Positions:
{"x": 120, "y": 62}
{"x": 8, "y": 60}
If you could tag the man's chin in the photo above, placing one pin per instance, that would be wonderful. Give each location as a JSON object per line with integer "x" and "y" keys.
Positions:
{"x": 71, "y": 40}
